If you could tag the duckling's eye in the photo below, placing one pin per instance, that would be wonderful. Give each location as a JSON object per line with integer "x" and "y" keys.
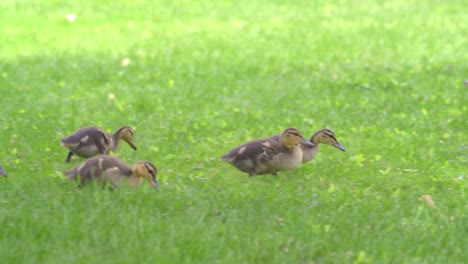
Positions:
{"x": 149, "y": 169}
{"x": 332, "y": 137}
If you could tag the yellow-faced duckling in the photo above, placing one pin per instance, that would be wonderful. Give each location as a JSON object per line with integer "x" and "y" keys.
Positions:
{"x": 323, "y": 136}
{"x": 110, "y": 169}
{"x": 2, "y": 171}
{"x": 91, "y": 141}
{"x": 267, "y": 156}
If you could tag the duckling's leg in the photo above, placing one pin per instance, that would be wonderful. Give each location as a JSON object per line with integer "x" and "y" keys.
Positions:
{"x": 252, "y": 172}
{"x": 70, "y": 154}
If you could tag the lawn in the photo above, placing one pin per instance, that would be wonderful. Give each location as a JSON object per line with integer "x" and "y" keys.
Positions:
{"x": 197, "y": 78}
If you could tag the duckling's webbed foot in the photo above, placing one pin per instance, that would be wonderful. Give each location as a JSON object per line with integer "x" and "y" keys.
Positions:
{"x": 70, "y": 154}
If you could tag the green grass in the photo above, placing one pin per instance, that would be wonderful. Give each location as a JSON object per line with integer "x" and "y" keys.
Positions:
{"x": 206, "y": 76}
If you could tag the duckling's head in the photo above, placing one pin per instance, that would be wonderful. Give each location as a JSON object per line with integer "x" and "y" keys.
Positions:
{"x": 2, "y": 171}
{"x": 291, "y": 137}
{"x": 126, "y": 133}
{"x": 146, "y": 170}
{"x": 326, "y": 136}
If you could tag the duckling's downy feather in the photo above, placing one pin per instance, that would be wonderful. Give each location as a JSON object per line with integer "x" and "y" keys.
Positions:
{"x": 111, "y": 169}
{"x": 256, "y": 156}
{"x": 267, "y": 156}
{"x": 99, "y": 167}
{"x": 87, "y": 142}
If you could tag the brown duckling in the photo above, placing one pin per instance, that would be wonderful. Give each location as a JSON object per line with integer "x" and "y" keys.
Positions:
{"x": 110, "y": 169}
{"x": 267, "y": 156}
{"x": 2, "y": 171}
{"x": 323, "y": 136}
{"x": 91, "y": 141}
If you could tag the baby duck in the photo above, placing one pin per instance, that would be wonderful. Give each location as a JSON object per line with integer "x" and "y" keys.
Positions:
{"x": 323, "y": 136}
{"x": 110, "y": 169}
{"x": 267, "y": 156}
{"x": 91, "y": 141}
{"x": 2, "y": 171}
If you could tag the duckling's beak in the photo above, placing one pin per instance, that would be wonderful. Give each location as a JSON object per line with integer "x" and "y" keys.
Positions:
{"x": 339, "y": 146}
{"x": 132, "y": 145}
{"x": 154, "y": 183}
{"x": 307, "y": 142}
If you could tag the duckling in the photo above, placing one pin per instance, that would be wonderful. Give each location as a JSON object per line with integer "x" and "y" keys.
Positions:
{"x": 110, "y": 169}
{"x": 91, "y": 141}
{"x": 267, "y": 156}
{"x": 2, "y": 171}
{"x": 323, "y": 136}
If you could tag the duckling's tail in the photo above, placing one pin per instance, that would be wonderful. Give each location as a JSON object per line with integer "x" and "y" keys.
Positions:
{"x": 227, "y": 158}
{"x": 71, "y": 174}
{"x": 64, "y": 141}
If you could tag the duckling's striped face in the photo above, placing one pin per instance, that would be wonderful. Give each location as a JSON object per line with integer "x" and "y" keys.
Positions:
{"x": 127, "y": 135}
{"x": 291, "y": 137}
{"x": 326, "y": 136}
{"x": 146, "y": 170}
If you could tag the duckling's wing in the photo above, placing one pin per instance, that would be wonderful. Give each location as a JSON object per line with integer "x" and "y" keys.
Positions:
{"x": 271, "y": 148}
{"x": 263, "y": 149}
{"x": 102, "y": 141}
{"x": 100, "y": 167}
{"x": 77, "y": 136}
{"x": 88, "y": 137}
{"x": 242, "y": 152}
{"x": 115, "y": 175}
{"x": 111, "y": 163}
{"x": 114, "y": 170}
